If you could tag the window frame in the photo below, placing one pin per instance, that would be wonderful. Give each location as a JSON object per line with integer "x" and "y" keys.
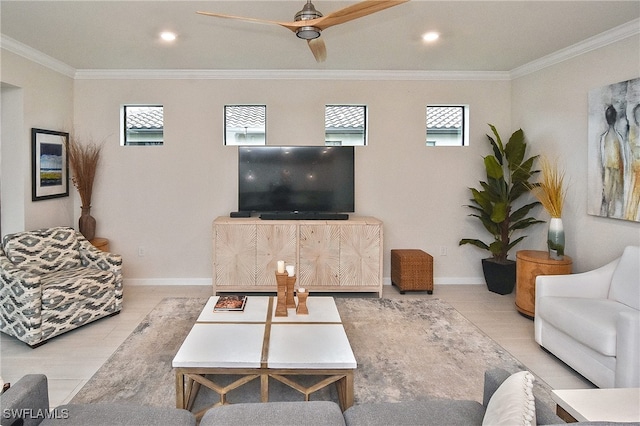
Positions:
{"x": 226, "y": 141}
{"x": 464, "y": 126}
{"x": 365, "y": 127}
{"x": 125, "y": 139}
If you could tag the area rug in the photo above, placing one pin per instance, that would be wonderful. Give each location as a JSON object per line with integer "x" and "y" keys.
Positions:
{"x": 406, "y": 349}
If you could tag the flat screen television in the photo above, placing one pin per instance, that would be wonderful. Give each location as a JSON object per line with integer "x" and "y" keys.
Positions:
{"x": 296, "y": 179}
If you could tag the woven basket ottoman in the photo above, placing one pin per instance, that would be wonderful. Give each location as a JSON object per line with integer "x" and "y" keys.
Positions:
{"x": 412, "y": 270}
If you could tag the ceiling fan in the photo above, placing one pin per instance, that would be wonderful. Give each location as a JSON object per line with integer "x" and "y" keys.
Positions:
{"x": 308, "y": 23}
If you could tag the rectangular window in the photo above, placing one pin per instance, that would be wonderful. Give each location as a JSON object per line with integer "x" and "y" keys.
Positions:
{"x": 245, "y": 125}
{"x": 345, "y": 125}
{"x": 142, "y": 125}
{"x": 447, "y": 125}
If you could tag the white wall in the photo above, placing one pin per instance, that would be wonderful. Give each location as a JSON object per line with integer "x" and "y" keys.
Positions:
{"x": 163, "y": 199}
{"x": 552, "y": 106}
{"x": 41, "y": 98}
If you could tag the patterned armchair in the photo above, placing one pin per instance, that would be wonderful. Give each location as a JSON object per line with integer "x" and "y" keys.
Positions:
{"x": 52, "y": 281}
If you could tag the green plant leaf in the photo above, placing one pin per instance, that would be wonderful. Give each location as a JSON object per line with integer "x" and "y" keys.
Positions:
{"x": 494, "y": 169}
{"x": 514, "y": 242}
{"x": 481, "y": 199}
{"x": 489, "y": 225}
{"x": 523, "y": 211}
{"x": 497, "y": 249}
{"x": 524, "y": 223}
{"x": 499, "y": 213}
{"x": 476, "y": 243}
{"x": 496, "y": 144}
{"x": 523, "y": 172}
{"x": 514, "y": 150}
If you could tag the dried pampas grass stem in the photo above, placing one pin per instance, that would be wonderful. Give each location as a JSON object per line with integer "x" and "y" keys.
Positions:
{"x": 550, "y": 191}
{"x": 83, "y": 159}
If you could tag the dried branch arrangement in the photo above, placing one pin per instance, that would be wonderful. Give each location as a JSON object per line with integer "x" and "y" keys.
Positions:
{"x": 83, "y": 159}
{"x": 550, "y": 191}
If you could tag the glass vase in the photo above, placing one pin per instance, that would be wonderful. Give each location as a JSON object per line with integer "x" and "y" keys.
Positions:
{"x": 555, "y": 239}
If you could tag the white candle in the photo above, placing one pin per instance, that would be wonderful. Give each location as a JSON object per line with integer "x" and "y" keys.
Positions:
{"x": 301, "y": 290}
{"x": 281, "y": 266}
{"x": 291, "y": 270}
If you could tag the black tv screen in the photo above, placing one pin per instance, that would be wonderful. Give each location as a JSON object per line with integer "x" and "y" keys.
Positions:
{"x": 296, "y": 179}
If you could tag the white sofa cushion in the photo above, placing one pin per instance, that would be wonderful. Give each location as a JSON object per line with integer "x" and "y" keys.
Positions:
{"x": 625, "y": 287}
{"x": 591, "y": 322}
{"x": 513, "y": 402}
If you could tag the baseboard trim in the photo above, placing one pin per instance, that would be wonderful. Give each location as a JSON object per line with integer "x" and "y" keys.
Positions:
{"x": 167, "y": 281}
{"x": 448, "y": 281}
{"x": 207, "y": 281}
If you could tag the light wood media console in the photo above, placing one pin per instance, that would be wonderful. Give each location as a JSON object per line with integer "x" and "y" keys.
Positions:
{"x": 329, "y": 255}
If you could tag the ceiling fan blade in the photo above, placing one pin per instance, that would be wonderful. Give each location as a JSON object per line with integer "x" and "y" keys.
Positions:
{"x": 289, "y": 25}
{"x": 318, "y": 49}
{"x": 355, "y": 11}
{"x": 349, "y": 13}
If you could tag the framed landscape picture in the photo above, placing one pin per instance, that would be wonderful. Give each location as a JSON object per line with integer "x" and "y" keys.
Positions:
{"x": 49, "y": 164}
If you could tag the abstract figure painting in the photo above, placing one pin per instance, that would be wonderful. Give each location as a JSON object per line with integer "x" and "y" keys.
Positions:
{"x": 614, "y": 151}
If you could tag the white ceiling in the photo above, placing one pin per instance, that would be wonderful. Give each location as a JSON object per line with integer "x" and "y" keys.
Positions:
{"x": 476, "y": 35}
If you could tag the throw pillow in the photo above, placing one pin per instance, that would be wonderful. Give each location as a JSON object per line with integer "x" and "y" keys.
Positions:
{"x": 513, "y": 402}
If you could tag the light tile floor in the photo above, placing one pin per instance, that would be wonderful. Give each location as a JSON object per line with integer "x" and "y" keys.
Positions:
{"x": 70, "y": 360}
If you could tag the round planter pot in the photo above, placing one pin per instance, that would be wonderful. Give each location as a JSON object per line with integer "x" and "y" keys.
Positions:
{"x": 500, "y": 277}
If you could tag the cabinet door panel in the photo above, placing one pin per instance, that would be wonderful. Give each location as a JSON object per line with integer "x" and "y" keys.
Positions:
{"x": 235, "y": 262}
{"x": 274, "y": 242}
{"x": 319, "y": 256}
{"x": 360, "y": 255}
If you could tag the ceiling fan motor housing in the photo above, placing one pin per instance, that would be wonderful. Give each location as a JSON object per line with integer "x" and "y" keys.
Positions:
{"x": 308, "y": 12}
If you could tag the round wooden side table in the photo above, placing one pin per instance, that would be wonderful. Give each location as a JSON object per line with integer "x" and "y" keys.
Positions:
{"x": 100, "y": 243}
{"x": 530, "y": 264}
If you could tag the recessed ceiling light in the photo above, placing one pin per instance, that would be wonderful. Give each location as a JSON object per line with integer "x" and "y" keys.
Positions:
{"x": 168, "y": 36}
{"x": 431, "y": 36}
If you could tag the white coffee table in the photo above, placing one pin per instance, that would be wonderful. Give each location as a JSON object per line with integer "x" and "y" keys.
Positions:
{"x": 257, "y": 344}
{"x": 593, "y": 405}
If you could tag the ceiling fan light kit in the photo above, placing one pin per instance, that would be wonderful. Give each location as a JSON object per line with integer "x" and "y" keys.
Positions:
{"x": 308, "y": 33}
{"x": 309, "y": 23}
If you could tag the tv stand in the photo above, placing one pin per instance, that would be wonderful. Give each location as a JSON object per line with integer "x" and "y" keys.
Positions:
{"x": 329, "y": 255}
{"x": 304, "y": 216}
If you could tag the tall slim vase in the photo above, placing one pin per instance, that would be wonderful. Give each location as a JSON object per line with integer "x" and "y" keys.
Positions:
{"x": 555, "y": 239}
{"x": 87, "y": 223}
{"x": 281, "y": 295}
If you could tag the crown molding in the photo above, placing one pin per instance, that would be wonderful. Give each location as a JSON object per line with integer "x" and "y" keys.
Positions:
{"x": 365, "y": 75}
{"x": 20, "y": 49}
{"x": 606, "y": 38}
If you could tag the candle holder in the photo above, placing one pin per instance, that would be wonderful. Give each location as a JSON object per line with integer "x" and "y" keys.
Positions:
{"x": 291, "y": 301}
{"x": 302, "y": 303}
{"x": 281, "y": 299}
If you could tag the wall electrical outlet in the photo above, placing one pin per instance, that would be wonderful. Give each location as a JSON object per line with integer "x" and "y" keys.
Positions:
{"x": 141, "y": 251}
{"x": 443, "y": 251}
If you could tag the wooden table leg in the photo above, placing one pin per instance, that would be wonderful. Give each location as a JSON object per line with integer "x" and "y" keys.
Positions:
{"x": 194, "y": 388}
{"x": 345, "y": 391}
{"x": 564, "y": 415}
{"x": 264, "y": 388}
{"x": 179, "y": 389}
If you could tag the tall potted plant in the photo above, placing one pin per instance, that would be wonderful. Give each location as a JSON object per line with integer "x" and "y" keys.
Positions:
{"x": 494, "y": 204}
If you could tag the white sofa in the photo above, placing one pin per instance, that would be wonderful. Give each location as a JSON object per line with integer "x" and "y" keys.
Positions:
{"x": 591, "y": 320}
